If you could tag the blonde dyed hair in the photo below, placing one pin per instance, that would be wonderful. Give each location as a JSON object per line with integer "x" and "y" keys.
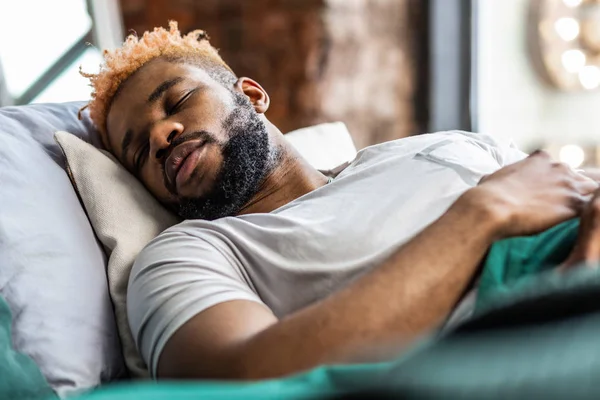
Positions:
{"x": 123, "y": 62}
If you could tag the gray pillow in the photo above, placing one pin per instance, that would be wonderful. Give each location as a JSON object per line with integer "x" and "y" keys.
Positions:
{"x": 52, "y": 269}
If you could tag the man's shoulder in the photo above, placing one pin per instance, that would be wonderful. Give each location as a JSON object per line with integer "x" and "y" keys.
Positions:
{"x": 191, "y": 238}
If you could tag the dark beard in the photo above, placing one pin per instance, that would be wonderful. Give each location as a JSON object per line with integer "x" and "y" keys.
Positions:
{"x": 247, "y": 160}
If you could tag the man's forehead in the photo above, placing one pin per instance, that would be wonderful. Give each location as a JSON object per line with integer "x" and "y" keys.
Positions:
{"x": 158, "y": 69}
{"x": 143, "y": 82}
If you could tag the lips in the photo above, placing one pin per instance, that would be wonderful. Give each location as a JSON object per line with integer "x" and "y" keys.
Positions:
{"x": 178, "y": 156}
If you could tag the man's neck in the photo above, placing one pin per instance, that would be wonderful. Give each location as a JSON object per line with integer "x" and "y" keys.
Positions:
{"x": 292, "y": 178}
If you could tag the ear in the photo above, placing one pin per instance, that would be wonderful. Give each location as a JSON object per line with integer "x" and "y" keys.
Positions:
{"x": 256, "y": 94}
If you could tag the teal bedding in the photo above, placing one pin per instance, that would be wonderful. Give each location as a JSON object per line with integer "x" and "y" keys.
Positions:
{"x": 20, "y": 377}
{"x": 517, "y": 260}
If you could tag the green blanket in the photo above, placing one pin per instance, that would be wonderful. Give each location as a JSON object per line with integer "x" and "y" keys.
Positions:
{"x": 513, "y": 261}
{"x": 20, "y": 377}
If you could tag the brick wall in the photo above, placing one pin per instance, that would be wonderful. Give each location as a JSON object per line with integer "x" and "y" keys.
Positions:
{"x": 320, "y": 60}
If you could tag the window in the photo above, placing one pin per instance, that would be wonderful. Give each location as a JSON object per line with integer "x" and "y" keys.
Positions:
{"x": 43, "y": 43}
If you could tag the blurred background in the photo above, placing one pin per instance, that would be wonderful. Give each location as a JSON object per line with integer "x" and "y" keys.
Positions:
{"x": 522, "y": 69}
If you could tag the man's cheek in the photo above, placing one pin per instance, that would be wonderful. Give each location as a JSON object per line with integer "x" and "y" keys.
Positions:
{"x": 156, "y": 184}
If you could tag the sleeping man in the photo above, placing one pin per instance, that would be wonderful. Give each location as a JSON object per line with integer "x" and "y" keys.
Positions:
{"x": 277, "y": 268}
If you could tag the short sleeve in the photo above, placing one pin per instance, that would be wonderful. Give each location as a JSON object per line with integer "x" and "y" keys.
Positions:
{"x": 177, "y": 276}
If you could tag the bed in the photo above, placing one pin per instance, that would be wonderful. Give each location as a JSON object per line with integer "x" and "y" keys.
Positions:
{"x": 59, "y": 336}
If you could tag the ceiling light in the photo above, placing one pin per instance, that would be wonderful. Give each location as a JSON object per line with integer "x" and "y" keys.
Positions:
{"x": 565, "y": 42}
{"x": 572, "y": 155}
{"x": 573, "y": 60}
{"x": 567, "y": 28}
{"x": 589, "y": 77}
{"x": 572, "y": 3}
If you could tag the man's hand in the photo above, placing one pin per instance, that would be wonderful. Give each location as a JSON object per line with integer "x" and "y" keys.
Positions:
{"x": 587, "y": 247}
{"x": 534, "y": 194}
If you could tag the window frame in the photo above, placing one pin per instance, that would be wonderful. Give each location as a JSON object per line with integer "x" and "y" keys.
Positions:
{"x": 453, "y": 65}
{"x": 106, "y": 33}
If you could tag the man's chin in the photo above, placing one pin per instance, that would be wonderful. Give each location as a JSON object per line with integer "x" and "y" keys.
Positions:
{"x": 193, "y": 191}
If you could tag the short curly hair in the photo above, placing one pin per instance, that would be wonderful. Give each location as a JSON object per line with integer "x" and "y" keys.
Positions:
{"x": 123, "y": 62}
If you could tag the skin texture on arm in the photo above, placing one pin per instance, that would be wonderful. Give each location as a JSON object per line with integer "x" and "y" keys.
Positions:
{"x": 408, "y": 295}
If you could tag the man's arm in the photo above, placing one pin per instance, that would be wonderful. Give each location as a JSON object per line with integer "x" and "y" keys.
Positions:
{"x": 408, "y": 295}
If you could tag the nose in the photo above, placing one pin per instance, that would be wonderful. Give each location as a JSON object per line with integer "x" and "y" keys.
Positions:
{"x": 161, "y": 136}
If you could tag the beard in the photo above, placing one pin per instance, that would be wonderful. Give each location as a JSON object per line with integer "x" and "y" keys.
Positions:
{"x": 247, "y": 160}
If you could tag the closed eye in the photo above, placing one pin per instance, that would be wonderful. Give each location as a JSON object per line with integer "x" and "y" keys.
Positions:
{"x": 177, "y": 106}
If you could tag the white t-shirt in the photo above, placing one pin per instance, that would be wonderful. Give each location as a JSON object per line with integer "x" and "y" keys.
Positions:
{"x": 312, "y": 246}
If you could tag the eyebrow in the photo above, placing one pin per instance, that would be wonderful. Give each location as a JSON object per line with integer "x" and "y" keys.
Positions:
{"x": 162, "y": 88}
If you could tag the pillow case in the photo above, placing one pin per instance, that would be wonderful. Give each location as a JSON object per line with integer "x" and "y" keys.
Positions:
{"x": 126, "y": 216}
{"x": 51, "y": 266}
{"x": 324, "y": 146}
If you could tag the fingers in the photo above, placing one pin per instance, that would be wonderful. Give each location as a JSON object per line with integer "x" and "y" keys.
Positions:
{"x": 594, "y": 206}
{"x": 576, "y": 201}
{"x": 595, "y": 197}
{"x": 581, "y": 183}
{"x": 575, "y": 173}
{"x": 587, "y": 247}
{"x": 590, "y": 230}
{"x": 578, "y": 174}
{"x": 586, "y": 187}
{"x": 588, "y": 241}
{"x": 592, "y": 213}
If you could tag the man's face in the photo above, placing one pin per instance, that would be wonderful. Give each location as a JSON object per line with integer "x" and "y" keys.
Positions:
{"x": 197, "y": 146}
